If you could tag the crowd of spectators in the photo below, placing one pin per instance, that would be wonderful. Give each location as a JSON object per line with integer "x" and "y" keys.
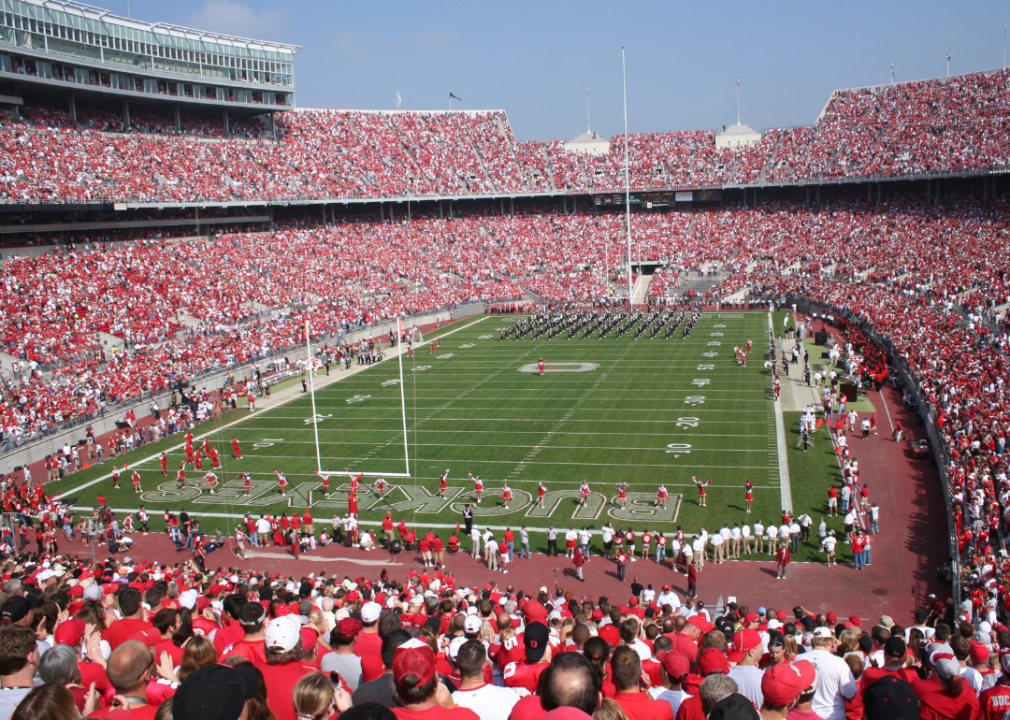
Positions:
{"x": 144, "y": 640}
{"x": 933, "y": 126}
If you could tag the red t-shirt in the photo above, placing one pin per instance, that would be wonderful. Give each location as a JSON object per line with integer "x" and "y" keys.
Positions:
{"x": 254, "y": 652}
{"x": 228, "y": 635}
{"x": 281, "y": 681}
{"x": 528, "y": 708}
{"x": 641, "y": 706}
{"x": 436, "y": 712}
{"x": 139, "y": 712}
{"x": 994, "y": 702}
{"x": 368, "y": 644}
{"x": 524, "y": 675}
{"x": 119, "y": 632}
{"x": 170, "y": 647}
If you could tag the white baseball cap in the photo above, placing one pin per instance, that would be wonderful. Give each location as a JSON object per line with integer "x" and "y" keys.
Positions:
{"x": 283, "y": 633}
{"x": 472, "y": 624}
{"x": 370, "y": 611}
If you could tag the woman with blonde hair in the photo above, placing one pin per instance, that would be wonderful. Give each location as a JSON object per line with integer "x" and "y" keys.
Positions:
{"x": 315, "y": 699}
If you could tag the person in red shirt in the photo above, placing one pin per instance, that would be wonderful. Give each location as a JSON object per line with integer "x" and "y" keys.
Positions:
{"x": 252, "y": 619}
{"x": 526, "y": 673}
{"x": 122, "y": 668}
{"x": 782, "y": 559}
{"x": 369, "y": 642}
{"x": 132, "y": 622}
{"x": 283, "y": 667}
{"x": 416, "y": 686}
{"x": 954, "y": 698}
{"x": 626, "y": 667}
{"x": 995, "y": 702}
{"x": 235, "y": 448}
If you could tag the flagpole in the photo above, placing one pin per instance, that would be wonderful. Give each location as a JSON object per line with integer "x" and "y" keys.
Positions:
{"x": 948, "y": 64}
{"x": 737, "y": 99}
{"x": 627, "y": 172}
{"x": 589, "y": 125}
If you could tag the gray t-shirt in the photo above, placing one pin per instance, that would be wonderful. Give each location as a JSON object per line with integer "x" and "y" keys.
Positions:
{"x": 748, "y": 682}
{"x": 10, "y": 698}
{"x": 349, "y": 667}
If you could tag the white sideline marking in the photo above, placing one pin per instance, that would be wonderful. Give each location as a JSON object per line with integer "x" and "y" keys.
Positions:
{"x": 780, "y": 436}
{"x": 400, "y": 349}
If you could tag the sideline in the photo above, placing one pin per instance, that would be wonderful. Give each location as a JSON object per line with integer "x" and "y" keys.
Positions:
{"x": 277, "y": 404}
{"x": 780, "y": 437}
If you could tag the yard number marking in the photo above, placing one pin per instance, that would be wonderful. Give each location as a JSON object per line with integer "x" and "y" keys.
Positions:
{"x": 678, "y": 449}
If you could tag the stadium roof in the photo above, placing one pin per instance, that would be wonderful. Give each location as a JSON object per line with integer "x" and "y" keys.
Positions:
{"x": 96, "y": 14}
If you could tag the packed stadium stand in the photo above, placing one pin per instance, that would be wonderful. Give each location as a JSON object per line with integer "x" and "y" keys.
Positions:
{"x": 166, "y": 212}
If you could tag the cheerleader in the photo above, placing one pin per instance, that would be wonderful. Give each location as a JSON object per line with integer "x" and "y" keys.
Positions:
{"x": 352, "y": 504}
{"x": 282, "y": 481}
{"x": 585, "y": 492}
{"x": 701, "y": 490}
{"x": 326, "y": 485}
{"x": 478, "y": 486}
{"x": 443, "y": 483}
{"x": 506, "y": 495}
{"x": 622, "y": 497}
{"x": 246, "y": 483}
{"x": 180, "y": 477}
{"x": 749, "y": 497}
{"x": 136, "y": 481}
{"x": 661, "y": 496}
{"x": 115, "y": 478}
{"x": 381, "y": 485}
{"x": 211, "y": 479}
{"x": 541, "y": 493}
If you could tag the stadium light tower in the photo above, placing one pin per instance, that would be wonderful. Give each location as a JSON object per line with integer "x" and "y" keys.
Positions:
{"x": 627, "y": 172}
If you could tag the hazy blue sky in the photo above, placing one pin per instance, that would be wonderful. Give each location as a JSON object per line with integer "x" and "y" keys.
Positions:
{"x": 535, "y": 59}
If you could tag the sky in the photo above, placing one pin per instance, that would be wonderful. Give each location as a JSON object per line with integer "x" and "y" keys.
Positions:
{"x": 536, "y": 59}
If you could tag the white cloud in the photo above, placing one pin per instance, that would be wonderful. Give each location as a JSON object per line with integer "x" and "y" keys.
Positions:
{"x": 234, "y": 18}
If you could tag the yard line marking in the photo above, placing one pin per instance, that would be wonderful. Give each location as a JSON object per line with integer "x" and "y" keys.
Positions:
{"x": 688, "y": 433}
{"x": 537, "y": 447}
{"x": 361, "y": 368}
{"x": 539, "y": 462}
{"x": 886, "y": 411}
{"x": 780, "y": 436}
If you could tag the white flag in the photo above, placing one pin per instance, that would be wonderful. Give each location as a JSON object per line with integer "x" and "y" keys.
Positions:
{"x": 397, "y": 99}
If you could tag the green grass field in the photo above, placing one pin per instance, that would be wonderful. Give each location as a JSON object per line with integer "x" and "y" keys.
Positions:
{"x": 636, "y": 411}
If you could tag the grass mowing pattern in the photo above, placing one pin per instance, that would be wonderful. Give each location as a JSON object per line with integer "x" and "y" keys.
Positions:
{"x": 469, "y": 408}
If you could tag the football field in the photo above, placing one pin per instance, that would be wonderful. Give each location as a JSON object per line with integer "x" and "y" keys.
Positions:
{"x": 638, "y": 411}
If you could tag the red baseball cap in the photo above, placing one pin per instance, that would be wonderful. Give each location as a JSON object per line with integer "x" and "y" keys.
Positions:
{"x": 979, "y": 652}
{"x": 743, "y": 642}
{"x": 854, "y": 619}
{"x": 610, "y": 634}
{"x": 700, "y": 622}
{"x": 414, "y": 657}
{"x": 711, "y": 661}
{"x": 781, "y": 684}
{"x": 751, "y": 617}
{"x": 832, "y": 618}
{"x": 676, "y": 664}
{"x": 70, "y": 632}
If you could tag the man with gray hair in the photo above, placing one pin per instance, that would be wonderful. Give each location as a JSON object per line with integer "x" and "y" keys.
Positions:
{"x": 715, "y": 688}
{"x": 59, "y": 665}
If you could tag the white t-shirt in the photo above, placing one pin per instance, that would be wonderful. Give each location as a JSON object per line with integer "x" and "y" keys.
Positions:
{"x": 835, "y": 683}
{"x": 489, "y": 701}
